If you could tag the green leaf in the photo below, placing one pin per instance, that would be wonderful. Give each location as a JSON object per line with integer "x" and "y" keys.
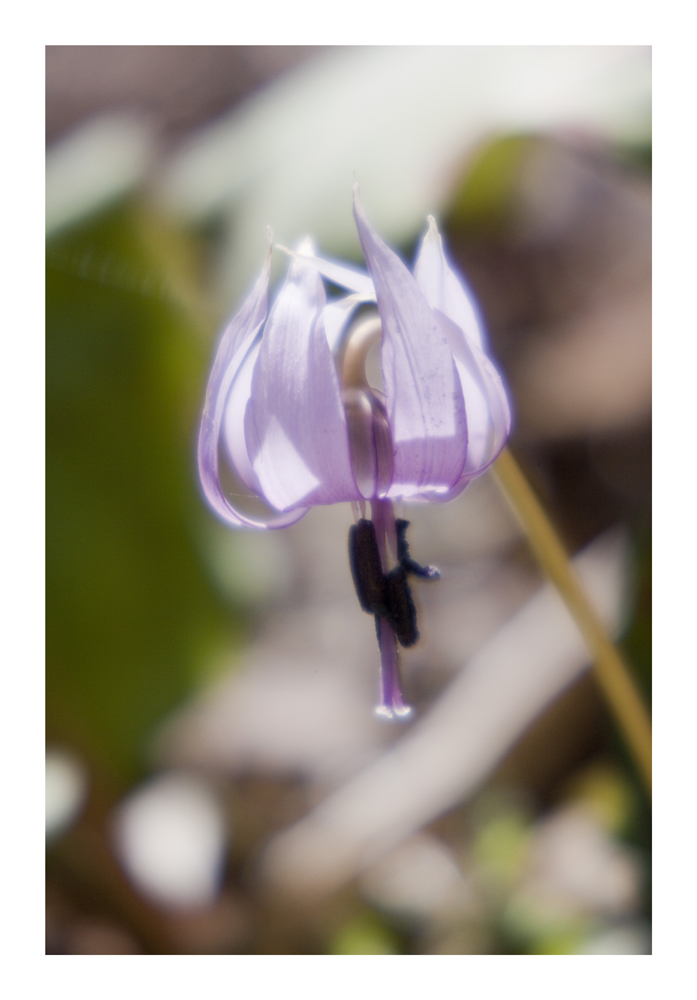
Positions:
{"x": 132, "y": 618}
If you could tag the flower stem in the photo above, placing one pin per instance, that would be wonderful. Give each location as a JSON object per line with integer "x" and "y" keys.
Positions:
{"x": 611, "y": 671}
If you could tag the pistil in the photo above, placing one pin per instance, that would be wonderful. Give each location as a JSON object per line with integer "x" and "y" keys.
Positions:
{"x": 391, "y": 701}
{"x": 370, "y": 439}
{"x": 378, "y": 553}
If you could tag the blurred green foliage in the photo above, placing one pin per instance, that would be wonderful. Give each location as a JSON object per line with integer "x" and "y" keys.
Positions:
{"x": 365, "y": 935}
{"x": 131, "y": 615}
{"x": 483, "y": 202}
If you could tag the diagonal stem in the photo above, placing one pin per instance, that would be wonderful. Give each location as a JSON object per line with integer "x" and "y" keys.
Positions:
{"x": 611, "y": 671}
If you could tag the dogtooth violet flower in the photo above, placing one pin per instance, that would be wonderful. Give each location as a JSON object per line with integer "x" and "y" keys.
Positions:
{"x": 289, "y": 402}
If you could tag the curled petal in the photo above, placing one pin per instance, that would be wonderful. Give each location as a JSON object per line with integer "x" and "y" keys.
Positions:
{"x": 486, "y": 400}
{"x": 336, "y": 271}
{"x": 336, "y": 315}
{"x": 444, "y": 289}
{"x": 233, "y": 349}
{"x": 233, "y": 420}
{"x": 295, "y": 427}
{"x": 488, "y": 411}
{"x": 422, "y": 388}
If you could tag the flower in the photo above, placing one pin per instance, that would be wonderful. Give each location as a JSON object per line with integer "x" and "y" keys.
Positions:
{"x": 299, "y": 432}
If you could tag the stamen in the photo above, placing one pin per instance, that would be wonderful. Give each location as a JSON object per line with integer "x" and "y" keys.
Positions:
{"x": 378, "y": 549}
{"x": 405, "y": 560}
{"x": 366, "y": 570}
{"x": 383, "y": 519}
{"x": 400, "y": 607}
{"x": 390, "y": 624}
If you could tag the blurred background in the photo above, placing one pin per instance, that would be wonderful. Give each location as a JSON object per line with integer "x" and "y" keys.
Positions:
{"x": 216, "y": 781}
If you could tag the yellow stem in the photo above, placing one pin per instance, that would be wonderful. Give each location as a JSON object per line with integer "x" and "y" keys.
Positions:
{"x": 611, "y": 671}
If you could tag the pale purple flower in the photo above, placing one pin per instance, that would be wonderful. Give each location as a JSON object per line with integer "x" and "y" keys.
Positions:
{"x": 299, "y": 432}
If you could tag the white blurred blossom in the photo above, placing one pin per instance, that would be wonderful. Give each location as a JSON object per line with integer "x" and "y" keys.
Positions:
{"x": 404, "y": 120}
{"x": 170, "y": 836}
{"x": 66, "y": 789}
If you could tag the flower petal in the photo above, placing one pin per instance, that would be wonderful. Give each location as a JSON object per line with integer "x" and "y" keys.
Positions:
{"x": 233, "y": 420}
{"x": 336, "y": 271}
{"x": 446, "y": 290}
{"x": 486, "y": 400}
{"x": 295, "y": 425}
{"x": 232, "y": 352}
{"x": 488, "y": 411}
{"x": 422, "y": 389}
